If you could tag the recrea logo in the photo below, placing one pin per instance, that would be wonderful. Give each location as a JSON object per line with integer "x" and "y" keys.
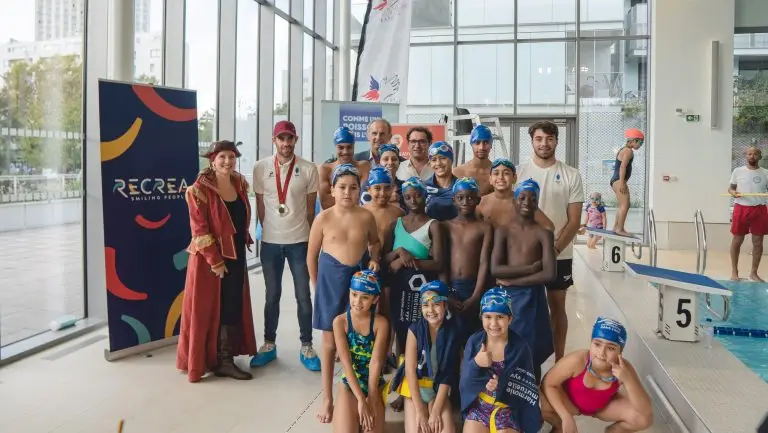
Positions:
{"x": 373, "y": 90}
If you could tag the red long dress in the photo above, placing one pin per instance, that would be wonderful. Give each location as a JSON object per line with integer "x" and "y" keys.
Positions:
{"x": 212, "y": 241}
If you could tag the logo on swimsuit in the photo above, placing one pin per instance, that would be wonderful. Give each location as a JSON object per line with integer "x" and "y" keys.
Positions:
{"x": 416, "y": 282}
{"x": 146, "y": 189}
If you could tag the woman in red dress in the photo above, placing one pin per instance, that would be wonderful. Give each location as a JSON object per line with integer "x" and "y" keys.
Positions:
{"x": 216, "y": 318}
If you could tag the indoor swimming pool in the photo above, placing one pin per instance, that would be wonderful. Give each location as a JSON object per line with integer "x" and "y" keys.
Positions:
{"x": 749, "y": 315}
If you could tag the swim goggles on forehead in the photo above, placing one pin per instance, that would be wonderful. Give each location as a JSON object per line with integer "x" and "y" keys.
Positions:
{"x": 432, "y": 297}
{"x": 344, "y": 169}
{"x": 414, "y": 183}
{"x": 443, "y": 149}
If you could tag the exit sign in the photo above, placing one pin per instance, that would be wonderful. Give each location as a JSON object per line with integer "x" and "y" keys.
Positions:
{"x": 691, "y": 117}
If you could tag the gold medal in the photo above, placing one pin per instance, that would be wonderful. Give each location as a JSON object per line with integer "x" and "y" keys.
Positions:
{"x": 282, "y": 210}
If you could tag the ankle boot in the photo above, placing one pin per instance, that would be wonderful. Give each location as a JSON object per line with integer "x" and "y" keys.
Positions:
{"x": 226, "y": 363}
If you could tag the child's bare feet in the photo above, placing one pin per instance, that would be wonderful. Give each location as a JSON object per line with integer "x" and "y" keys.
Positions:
{"x": 325, "y": 416}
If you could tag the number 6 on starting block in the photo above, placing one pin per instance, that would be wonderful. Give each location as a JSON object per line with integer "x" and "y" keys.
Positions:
{"x": 678, "y": 303}
{"x": 614, "y": 248}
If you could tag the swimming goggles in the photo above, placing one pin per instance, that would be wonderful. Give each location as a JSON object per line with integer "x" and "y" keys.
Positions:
{"x": 432, "y": 297}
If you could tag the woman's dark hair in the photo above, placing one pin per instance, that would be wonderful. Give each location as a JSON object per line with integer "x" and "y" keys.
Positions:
{"x": 546, "y": 127}
{"x": 421, "y": 129}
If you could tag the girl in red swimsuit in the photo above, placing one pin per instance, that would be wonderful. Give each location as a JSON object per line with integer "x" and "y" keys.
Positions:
{"x": 587, "y": 382}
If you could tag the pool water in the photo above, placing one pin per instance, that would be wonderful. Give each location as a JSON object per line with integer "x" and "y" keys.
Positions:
{"x": 749, "y": 309}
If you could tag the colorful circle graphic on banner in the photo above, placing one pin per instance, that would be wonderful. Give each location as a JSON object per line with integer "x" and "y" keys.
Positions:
{"x": 112, "y": 149}
{"x": 151, "y": 225}
{"x": 142, "y": 334}
{"x": 174, "y": 314}
{"x": 114, "y": 285}
{"x": 149, "y": 97}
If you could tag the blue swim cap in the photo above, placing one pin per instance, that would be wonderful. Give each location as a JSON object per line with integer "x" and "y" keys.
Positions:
{"x": 365, "y": 282}
{"x": 496, "y": 300}
{"x": 437, "y": 286}
{"x": 415, "y": 183}
{"x": 343, "y": 170}
{"x": 343, "y": 135}
{"x": 503, "y": 161}
{"x": 466, "y": 184}
{"x": 379, "y": 176}
{"x": 610, "y": 330}
{"x": 388, "y": 148}
{"x": 527, "y": 185}
{"x": 481, "y": 133}
{"x": 441, "y": 148}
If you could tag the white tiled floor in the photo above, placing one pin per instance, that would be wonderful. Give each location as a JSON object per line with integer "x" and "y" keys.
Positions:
{"x": 81, "y": 392}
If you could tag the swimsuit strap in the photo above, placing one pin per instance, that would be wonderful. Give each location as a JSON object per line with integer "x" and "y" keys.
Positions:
{"x": 373, "y": 320}
{"x": 350, "y": 328}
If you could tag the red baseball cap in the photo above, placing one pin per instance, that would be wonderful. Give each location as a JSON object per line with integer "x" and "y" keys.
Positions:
{"x": 284, "y": 127}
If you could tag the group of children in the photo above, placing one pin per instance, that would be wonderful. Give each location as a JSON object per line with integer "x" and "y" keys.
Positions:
{"x": 464, "y": 302}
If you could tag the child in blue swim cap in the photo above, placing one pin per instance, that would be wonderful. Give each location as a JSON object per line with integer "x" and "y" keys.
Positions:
{"x": 587, "y": 382}
{"x": 361, "y": 337}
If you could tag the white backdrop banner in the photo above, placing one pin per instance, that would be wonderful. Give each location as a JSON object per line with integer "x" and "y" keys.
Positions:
{"x": 382, "y": 64}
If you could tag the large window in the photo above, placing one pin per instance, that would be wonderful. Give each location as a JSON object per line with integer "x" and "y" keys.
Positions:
{"x": 282, "y": 47}
{"x": 41, "y": 232}
{"x": 148, "y": 49}
{"x": 750, "y": 100}
{"x": 201, "y": 40}
{"x": 307, "y": 95}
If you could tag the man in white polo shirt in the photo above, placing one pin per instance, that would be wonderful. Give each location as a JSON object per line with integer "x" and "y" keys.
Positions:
{"x": 749, "y": 211}
{"x": 561, "y": 199}
{"x": 286, "y": 188}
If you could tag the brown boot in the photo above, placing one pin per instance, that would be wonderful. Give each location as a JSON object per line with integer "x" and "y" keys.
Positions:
{"x": 226, "y": 366}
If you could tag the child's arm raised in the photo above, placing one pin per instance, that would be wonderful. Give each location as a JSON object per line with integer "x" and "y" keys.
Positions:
{"x": 435, "y": 264}
{"x": 638, "y": 397}
{"x": 548, "y": 270}
{"x": 504, "y": 271}
{"x": 552, "y": 387}
{"x": 313, "y": 248}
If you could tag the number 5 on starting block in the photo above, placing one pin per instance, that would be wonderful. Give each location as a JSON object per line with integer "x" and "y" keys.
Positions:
{"x": 614, "y": 248}
{"x": 678, "y": 303}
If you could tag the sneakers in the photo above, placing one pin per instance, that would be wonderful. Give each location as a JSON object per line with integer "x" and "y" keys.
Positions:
{"x": 267, "y": 354}
{"x": 309, "y": 358}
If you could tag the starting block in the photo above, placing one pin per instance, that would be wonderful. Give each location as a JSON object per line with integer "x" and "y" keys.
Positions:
{"x": 678, "y": 304}
{"x": 614, "y": 248}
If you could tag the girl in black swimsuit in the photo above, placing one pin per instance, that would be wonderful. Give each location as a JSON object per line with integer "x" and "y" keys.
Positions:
{"x": 622, "y": 170}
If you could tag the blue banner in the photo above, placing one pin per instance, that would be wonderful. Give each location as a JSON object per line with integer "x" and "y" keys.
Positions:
{"x": 357, "y": 117}
{"x": 149, "y": 156}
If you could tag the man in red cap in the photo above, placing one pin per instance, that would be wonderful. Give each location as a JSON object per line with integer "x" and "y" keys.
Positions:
{"x": 286, "y": 189}
{"x": 622, "y": 170}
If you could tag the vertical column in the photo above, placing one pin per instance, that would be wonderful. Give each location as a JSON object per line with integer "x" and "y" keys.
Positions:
{"x": 344, "y": 17}
{"x": 296, "y": 71}
{"x": 121, "y": 40}
{"x": 319, "y": 78}
{"x": 266, "y": 103}
{"x": 97, "y": 66}
{"x": 685, "y": 82}
{"x": 174, "y": 72}
{"x": 225, "y": 100}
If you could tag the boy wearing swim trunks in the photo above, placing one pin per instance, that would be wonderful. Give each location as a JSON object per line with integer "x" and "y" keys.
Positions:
{"x": 587, "y": 382}
{"x": 344, "y": 141}
{"x": 469, "y": 241}
{"x": 522, "y": 261}
{"x": 345, "y": 233}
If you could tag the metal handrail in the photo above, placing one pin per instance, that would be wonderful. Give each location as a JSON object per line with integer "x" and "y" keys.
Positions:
{"x": 639, "y": 254}
{"x": 701, "y": 265}
{"x": 653, "y": 239}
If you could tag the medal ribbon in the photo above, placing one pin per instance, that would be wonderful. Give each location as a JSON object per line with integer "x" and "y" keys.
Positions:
{"x": 282, "y": 191}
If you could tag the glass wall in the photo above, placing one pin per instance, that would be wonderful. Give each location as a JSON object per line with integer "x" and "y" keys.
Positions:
{"x": 43, "y": 109}
{"x": 540, "y": 59}
{"x": 41, "y": 166}
{"x": 750, "y": 96}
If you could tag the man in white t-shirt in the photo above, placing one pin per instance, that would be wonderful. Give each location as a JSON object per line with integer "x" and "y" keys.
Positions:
{"x": 286, "y": 189}
{"x": 750, "y": 214}
{"x": 561, "y": 199}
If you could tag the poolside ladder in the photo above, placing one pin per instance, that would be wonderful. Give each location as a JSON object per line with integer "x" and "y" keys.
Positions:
{"x": 701, "y": 264}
